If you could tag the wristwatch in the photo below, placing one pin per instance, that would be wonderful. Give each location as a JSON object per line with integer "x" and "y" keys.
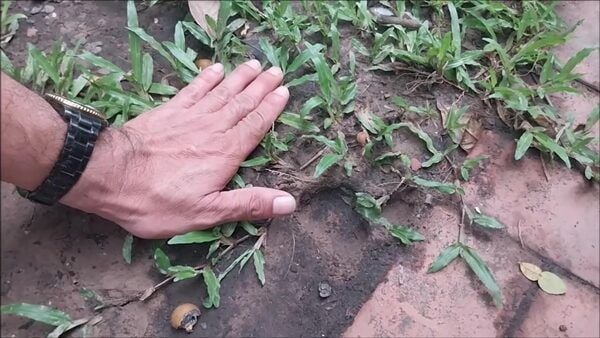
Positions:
{"x": 84, "y": 126}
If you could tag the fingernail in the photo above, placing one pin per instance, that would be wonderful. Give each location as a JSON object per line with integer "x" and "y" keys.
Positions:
{"x": 284, "y": 205}
{"x": 217, "y": 68}
{"x": 282, "y": 91}
{"x": 276, "y": 71}
{"x": 254, "y": 64}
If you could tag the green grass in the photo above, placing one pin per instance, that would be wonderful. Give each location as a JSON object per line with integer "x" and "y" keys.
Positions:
{"x": 324, "y": 48}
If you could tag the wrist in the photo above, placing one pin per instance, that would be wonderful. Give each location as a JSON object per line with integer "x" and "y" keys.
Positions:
{"x": 100, "y": 184}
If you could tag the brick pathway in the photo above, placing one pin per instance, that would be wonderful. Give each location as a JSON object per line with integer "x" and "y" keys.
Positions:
{"x": 557, "y": 222}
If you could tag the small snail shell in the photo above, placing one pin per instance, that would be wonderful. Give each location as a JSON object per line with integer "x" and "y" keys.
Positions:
{"x": 185, "y": 317}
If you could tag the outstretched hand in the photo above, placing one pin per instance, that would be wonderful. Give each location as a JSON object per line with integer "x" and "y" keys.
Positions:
{"x": 164, "y": 172}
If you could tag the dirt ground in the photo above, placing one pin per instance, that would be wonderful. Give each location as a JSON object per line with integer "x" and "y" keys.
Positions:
{"x": 380, "y": 288}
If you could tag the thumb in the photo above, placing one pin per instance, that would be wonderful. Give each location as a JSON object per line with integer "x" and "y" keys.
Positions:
{"x": 253, "y": 203}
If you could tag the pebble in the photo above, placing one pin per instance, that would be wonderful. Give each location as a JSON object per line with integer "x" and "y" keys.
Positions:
{"x": 94, "y": 47}
{"x": 203, "y": 325}
{"x": 31, "y": 32}
{"x": 48, "y": 9}
{"x": 324, "y": 290}
{"x": 35, "y": 10}
{"x": 429, "y": 199}
{"x": 562, "y": 328}
{"x": 294, "y": 268}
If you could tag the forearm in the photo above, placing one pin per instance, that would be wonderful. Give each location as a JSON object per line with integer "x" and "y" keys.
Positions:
{"x": 32, "y": 135}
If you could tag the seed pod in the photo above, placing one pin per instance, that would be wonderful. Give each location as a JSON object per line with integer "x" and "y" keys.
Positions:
{"x": 185, "y": 317}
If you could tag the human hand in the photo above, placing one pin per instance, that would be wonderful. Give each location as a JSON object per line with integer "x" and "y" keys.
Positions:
{"x": 164, "y": 172}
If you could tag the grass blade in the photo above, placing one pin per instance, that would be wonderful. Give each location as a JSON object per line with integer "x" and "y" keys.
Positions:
{"x": 135, "y": 47}
{"x": 200, "y": 236}
{"x": 161, "y": 261}
{"x": 482, "y": 272}
{"x": 445, "y": 188}
{"x": 445, "y": 257}
{"x": 213, "y": 285}
{"x": 127, "y": 246}
{"x": 181, "y": 56}
{"x": 406, "y": 235}
{"x": 326, "y": 162}
{"x": 154, "y": 44}
{"x": 40, "y": 313}
{"x": 523, "y": 144}
{"x": 100, "y": 62}
{"x": 259, "y": 265}
{"x": 147, "y": 71}
{"x": 455, "y": 27}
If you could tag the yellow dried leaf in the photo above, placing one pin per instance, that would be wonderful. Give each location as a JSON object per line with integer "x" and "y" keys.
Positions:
{"x": 551, "y": 283}
{"x": 200, "y": 9}
{"x": 531, "y": 271}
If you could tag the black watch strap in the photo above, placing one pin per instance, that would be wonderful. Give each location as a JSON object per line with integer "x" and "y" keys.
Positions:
{"x": 82, "y": 131}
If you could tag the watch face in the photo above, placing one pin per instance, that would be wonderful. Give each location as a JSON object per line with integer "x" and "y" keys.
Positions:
{"x": 60, "y": 103}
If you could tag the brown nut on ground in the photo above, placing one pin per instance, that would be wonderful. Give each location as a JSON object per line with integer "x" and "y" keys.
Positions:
{"x": 203, "y": 63}
{"x": 362, "y": 138}
{"x": 185, "y": 317}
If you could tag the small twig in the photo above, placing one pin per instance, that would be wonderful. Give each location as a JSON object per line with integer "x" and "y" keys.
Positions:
{"x": 519, "y": 233}
{"x": 293, "y": 253}
{"x": 289, "y": 175}
{"x": 230, "y": 247}
{"x": 312, "y": 159}
{"x": 544, "y": 167}
{"x": 151, "y": 290}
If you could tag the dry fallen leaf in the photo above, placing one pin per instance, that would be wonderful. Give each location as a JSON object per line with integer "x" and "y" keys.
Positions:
{"x": 200, "y": 9}
{"x": 471, "y": 134}
{"x": 551, "y": 283}
{"x": 443, "y": 108}
{"x": 531, "y": 271}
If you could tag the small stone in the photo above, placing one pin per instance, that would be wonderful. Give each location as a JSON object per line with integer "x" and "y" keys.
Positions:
{"x": 428, "y": 199}
{"x": 48, "y": 9}
{"x": 562, "y": 328}
{"x": 203, "y": 326}
{"x": 155, "y": 21}
{"x": 31, "y": 32}
{"x": 294, "y": 268}
{"x": 387, "y": 95}
{"x": 94, "y": 47}
{"x": 415, "y": 164}
{"x": 35, "y": 10}
{"x": 324, "y": 290}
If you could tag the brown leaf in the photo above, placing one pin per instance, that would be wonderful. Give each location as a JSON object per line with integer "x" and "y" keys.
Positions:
{"x": 503, "y": 114}
{"x": 471, "y": 134}
{"x": 443, "y": 108}
{"x": 531, "y": 271}
{"x": 200, "y": 9}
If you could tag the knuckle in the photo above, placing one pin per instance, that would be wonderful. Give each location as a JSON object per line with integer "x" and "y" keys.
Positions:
{"x": 255, "y": 206}
{"x": 255, "y": 123}
{"x": 243, "y": 103}
{"x": 220, "y": 95}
